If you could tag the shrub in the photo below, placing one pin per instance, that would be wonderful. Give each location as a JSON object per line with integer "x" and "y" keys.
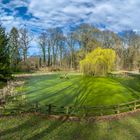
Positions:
{"x": 98, "y": 62}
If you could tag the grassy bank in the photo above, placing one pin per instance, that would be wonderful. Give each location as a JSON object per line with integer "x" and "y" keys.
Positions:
{"x": 31, "y": 127}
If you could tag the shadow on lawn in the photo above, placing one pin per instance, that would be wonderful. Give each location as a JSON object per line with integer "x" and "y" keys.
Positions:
{"x": 32, "y": 124}
{"x": 77, "y": 91}
{"x": 70, "y": 94}
{"x": 44, "y": 87}
{"x": 51, "y": 128}
{"x": 131, "y": 127}
{"x": 48, "y": 88}
{"x": 84, "y": 91}
{"x": 132, "y": 85}
{"x": 26, "y": 125}
{"x": 51, "y": 96}
{"x": 61, "y": 129}
{"x": 47, "y": 85}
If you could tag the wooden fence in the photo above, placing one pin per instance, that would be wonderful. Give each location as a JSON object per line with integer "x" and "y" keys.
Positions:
{"x": 93, "y": 110}
{"x": 72, "y": 110}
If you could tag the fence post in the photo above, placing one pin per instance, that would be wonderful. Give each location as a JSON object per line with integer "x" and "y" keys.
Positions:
{"x": 118, "y": 109}
{"x": 36, "y": 106}
{"x": 101, "y": 113}
{"x": 49, "y": 108}
{"x": 135, "y": 105}
{"x": 67, "y": 110}
{"x": 84, "y": 111}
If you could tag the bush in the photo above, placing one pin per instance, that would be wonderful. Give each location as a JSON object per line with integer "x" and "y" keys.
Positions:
{"x": 53, "y": 69}
{"x": 98, "y": 62}
{"x": 26, "y": 67}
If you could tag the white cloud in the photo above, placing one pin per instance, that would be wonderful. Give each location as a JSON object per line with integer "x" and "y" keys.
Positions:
{"x": 116, "y": 15}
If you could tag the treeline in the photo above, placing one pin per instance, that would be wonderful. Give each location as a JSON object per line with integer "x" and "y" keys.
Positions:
{"x": 65, "y": 49}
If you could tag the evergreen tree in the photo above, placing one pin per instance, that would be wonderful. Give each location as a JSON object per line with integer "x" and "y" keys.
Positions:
{"x": 14, "y": 49}
{"x": 4, "y": 54}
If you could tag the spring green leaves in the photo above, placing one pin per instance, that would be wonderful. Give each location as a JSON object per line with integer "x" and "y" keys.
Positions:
{"x": 98, "y": 62}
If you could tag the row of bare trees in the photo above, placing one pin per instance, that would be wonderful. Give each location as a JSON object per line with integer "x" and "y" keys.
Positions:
{"x": 70, "y": 48}
{"x": 61, "y": 49}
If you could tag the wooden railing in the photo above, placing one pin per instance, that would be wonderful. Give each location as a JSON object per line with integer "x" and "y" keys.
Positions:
{"x": 72, "y": 110}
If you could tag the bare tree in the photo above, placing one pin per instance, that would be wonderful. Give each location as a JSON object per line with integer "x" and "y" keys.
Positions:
{"x": 25, "y": 39}
{"x": 55, "y": 39}
{"x": 42, "y": 43}
{"x": 71, "y": 44}
{"x": 132, "y": 50}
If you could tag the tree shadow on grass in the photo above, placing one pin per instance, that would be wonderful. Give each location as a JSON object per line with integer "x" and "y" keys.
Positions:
{"x": 32, "y": 124}
{"x": 74, "y": 93}
{"x": 26, "y": 125}
{"x": 50, "y": 87}
{"x": 84, "y": 91}
{"x": 45, "y": 87}
{"x": 71, "y": 96}
{"x": 51, "y": 128}
{"x": 53, "y": 94}
{"x": 130, "y": 85}
{"x": 129, "y": 126}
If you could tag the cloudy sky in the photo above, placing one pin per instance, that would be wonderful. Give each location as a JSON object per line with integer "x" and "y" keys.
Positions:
{"x": 115, "y": 15}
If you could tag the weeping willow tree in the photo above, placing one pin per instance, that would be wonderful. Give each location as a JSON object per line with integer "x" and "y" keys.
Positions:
{"x": 98, "y": 62}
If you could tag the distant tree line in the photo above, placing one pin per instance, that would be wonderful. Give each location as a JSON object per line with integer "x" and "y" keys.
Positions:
{"x": 67, "y": 50}
{"x": 64, "y": 50}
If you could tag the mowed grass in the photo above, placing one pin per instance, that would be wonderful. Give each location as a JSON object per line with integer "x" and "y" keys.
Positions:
{"x": 31, "y": 127}
{"x": 79, "y": 90}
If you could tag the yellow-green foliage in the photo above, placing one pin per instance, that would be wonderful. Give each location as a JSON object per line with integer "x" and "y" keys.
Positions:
{"x": 98, "y": 62}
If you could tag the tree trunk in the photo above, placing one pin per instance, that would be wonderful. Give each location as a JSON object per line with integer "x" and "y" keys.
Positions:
{"x": 49, "y": 56}
{"x": 44, "y": 57}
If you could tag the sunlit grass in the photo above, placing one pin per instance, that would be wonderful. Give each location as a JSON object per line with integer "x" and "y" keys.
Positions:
{"x": 77, "y": 90}
{"x": 80, "y": 90}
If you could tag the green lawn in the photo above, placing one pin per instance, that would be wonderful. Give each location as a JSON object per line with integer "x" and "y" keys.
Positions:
{"x": 80, "y": 90}
{"x": 77, "y": 90}
{"x": 32, "y": 127}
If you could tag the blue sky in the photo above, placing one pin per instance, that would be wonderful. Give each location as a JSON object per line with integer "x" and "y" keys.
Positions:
{"x": 115, "y": 15}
